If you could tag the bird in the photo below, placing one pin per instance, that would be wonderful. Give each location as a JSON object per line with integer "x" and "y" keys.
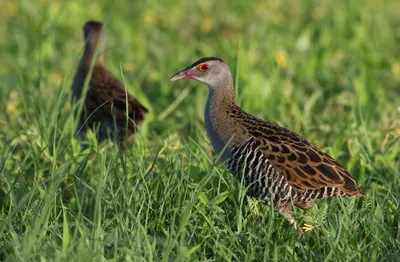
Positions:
{"x": 280, "y": 167}
{"x": 108, "y": 108}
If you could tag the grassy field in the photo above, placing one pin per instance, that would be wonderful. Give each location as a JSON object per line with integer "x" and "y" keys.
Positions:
{"x": 330, "y": 70}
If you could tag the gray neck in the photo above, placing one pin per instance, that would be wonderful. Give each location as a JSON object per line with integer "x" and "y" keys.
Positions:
{"x": 217, "y": 141}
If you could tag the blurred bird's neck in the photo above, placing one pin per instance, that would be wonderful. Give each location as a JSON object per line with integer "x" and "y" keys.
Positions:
{"x": 94, "y": 49}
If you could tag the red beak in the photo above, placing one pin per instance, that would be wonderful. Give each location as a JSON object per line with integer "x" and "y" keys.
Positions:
{"x": 186, "y": 73}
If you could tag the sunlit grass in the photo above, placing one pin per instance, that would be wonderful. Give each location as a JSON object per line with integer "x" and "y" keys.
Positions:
{"x": 330, "y": 70}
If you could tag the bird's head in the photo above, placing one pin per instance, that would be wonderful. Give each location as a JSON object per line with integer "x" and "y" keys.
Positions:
{"x": 92, "y": 28}
{"x": 212, "y": 71}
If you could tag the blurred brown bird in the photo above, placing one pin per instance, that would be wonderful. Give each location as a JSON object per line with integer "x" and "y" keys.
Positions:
{"x": 278, "y": 165}
{"x": 108, "y": 108}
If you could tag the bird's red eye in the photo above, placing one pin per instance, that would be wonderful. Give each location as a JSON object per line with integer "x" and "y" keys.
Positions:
{"x": 203, "y": 67}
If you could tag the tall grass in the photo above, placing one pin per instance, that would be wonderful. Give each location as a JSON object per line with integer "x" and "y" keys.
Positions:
{"x": 330, "y": 70}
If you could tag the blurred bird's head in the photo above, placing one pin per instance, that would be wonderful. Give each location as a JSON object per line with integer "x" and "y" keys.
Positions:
{"x": 91, "y": 29}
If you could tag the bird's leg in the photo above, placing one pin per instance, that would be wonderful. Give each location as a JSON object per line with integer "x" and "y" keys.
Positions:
{"x": 122, "y": 145}
{"x": 285, "y": 209}
{"x": 82, "y": 134}
{"x": 304, "y": 205}
{"x": 68, "y": 191}
{"x": 105, "y": 130}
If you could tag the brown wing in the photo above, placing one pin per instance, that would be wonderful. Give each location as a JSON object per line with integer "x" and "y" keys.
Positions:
{"x": 305, "y": 166}
{"x": 106, "y": 99}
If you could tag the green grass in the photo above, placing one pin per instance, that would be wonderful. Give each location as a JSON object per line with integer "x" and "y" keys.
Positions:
{"x": 330, "y": 70}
